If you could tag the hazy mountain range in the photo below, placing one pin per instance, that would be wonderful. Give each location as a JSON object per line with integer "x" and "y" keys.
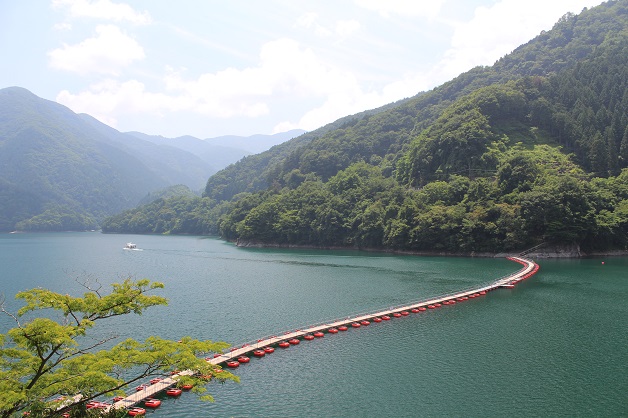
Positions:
{"x": 221, "y": 151}
{"x": 61, "y": 170}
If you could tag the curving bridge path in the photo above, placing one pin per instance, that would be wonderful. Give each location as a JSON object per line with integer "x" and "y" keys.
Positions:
{"x": 509, "y": 281}
{"x": 529, "y": 268}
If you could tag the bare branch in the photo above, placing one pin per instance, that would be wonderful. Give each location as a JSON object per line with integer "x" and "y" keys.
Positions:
{"x": 97, "y": 344}
{"x": 3, "y": 310}
{"x": 42, "y": 369}
{"x": 61, "y": 358}
{"x": 86, "y": 285}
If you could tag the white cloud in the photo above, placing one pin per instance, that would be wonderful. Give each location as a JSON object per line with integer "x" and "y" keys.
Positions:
{"x": 413, "y": 8}
{"x": 345, "y": 28}
{"x": 107, "y": 53}
{"x": 224, "y": 94}
{"x": 103, "y": 9}
{"x": 307, "y": 20}
{"x": 286, "y": 71}
{"x": 345, "y": 101}
{"x": 341, "y": 92}
{"x": 289, "y": 72}
{"x": 497, "y": 30}
{"x": 65, "y": 26}
{"x": 293, "y": 70}
{"x": 109, "y": 98}
{"x": 341, "y": 28}
{"x": 336, "y": 106}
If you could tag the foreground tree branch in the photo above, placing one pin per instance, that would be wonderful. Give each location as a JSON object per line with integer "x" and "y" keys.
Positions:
{"x": 42, "y": 359}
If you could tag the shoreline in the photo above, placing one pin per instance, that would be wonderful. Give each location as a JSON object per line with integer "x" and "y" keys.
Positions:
{"x": 550, "y": 251}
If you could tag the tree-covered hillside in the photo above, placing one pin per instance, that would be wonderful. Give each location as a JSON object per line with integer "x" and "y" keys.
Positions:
{"x": 63, "y": 171}
{"x": 533, "y": 149}
{"x": 256, "y": 172}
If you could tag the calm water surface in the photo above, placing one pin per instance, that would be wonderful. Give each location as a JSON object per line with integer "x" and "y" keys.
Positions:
{"x": 554, "y": 346}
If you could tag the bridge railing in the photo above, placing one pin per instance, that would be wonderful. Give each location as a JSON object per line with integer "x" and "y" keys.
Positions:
{"x": 252, "y": 344}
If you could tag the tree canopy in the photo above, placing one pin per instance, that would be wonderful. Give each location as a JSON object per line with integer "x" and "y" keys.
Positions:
{"x": 500, "y": 158}
{"x": 46, "y": 356}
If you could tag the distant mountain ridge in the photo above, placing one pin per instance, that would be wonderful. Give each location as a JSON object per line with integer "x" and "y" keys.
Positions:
{"x": 256, "y": 143}
{"x": 174, "y": 165}
{"x": 219, "y": 152}
{"x": 65, "y": 171}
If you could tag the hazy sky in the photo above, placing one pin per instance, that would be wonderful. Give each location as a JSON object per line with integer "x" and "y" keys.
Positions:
{"x": 209, "y": 68}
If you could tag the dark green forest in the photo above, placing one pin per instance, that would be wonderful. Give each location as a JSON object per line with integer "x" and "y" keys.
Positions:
{"x": 533, "y": 149}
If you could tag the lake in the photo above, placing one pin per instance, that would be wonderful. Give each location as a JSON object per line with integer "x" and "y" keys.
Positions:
{"x": 556, "y": 345}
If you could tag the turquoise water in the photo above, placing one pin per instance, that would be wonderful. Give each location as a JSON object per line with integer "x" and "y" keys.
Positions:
{"x": 556, "y": 345}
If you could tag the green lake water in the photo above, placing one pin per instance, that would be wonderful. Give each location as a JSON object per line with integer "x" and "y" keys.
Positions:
{"x": 556, "y": 345}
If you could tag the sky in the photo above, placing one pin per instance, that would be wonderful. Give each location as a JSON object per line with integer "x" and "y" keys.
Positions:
{"x": 241, "y": 67}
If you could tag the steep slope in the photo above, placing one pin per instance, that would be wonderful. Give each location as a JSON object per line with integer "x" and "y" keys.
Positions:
{"x": 54, "y": 161}
{"x": 533, "y": 149}
{"x": 173, "y": 164}
{"x": 381, "y": 135}
{"x": 572, "y": 39}
{"x": 257, "y": 172}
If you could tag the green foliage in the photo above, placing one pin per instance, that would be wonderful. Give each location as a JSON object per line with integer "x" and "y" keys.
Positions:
{"x": 172, "y": 191}
{"x": 58, "y": 218}
{"x": 258, "y": 172}
{"x": 180, "y": 214}
{"x": 52, "y": 157}
{"x": 16, "y": 204}
{"x": 536, "y": 195}
{"x": 42, "y": 358}
{"x": 501, "y": 158}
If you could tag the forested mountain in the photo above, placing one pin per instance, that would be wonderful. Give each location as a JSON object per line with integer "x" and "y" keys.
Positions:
{"x": 61, "y": 171}
{"x": 257, "y": 172}
{"x": 177, "y": 190}
{"x": 532, "y": 149}
{"x": 172, "y": 164}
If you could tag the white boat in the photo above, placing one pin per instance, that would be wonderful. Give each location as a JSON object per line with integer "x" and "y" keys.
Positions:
{"x": 131, "y": 246}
